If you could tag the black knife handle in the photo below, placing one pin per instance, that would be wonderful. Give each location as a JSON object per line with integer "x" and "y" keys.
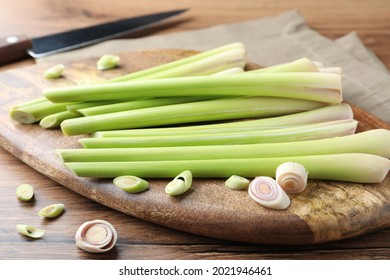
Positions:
{"x": 13, "y": 48}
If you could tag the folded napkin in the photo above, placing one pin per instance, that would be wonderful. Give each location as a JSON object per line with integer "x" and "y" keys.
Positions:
{"x": 274, "y": 40}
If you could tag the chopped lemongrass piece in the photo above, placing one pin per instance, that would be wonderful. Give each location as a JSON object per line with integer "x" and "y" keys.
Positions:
{"x": 237, "y": 182}
{"x": 25, "y": 192}
{"x": 320, "y": 87}
{"x": 54, "y": 72}
{"x": 108, "y": 61}
{"x": 351, "y": 167}
{"x": 52, "y": 211}
{"x": 267, "y": 192}
{"x": 30, "y": 231}
{"x": 180, "y": 184}
{"x": 131, "y": 184}
{"x": 96, "y": 236}
{"x": 292, "y": 177}
{"x": 248, "y": 136}
{"x": 326, "y": 114}
{"x": 163, "y": 70}
{"x": 210, "y": 110}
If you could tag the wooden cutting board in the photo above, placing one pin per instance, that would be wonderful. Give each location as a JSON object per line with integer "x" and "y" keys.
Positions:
{"x": 325, "y": 211}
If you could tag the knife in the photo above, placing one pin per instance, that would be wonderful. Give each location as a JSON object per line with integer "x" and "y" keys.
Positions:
{"x": 16, "y": 47}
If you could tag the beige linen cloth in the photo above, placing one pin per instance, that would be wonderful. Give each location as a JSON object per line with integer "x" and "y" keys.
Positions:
{"x": 274, "y": 40}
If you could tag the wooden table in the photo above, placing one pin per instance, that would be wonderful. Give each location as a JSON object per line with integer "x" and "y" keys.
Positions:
{"x": 139, "y": 239}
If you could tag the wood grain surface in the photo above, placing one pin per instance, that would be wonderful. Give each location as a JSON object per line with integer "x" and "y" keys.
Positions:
{"x": 325, "y": 211}
{"x": 139, "y": 239}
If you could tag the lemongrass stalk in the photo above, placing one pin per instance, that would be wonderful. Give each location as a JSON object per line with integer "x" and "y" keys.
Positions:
{"x": 234, "y": 70}
{"x": 300, "y": 65}
{"x": 206, "y": 66}
{"x": 177, "y": 63}
{"x": 31, "y": 102}
{"x": 74, "y": 107}
{"x": 55, "y": 120}
{"x": 321, "y": 87}
{"x": 297, "y": 133}
{"x": 137, "y": 104}
{"x": 210, "y": 110}
{"x": 370, "y": 142}
{"x": 325, "y": 114}
{"x": 36, "y": 111}
{"x": 361, "y": 168}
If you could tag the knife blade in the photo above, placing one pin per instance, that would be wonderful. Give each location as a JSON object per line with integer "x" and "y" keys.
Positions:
{"x": 17, "y": 47}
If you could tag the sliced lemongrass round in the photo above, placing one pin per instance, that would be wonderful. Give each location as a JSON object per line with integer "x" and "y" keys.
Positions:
{"x": 131, "y": 184}
{"x": 54, "y": 72}
{"x": 267, "y": 192}
{"x": 292, "y": 177}
{"x": 237, "y": 182}
{"x": 52, "y": 211}
{"x": 25, "y": 192}
{"x": 30, "y": 231}
{"x": 96, "y": 236}
{"x": 180, "y": 184}
{"x": 108, "y": 61}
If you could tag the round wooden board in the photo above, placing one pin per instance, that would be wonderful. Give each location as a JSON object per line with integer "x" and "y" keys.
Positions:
{"x": 325, "y": 211}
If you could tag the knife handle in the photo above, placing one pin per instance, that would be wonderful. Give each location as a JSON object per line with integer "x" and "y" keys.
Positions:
{"x": 13, "y": 48}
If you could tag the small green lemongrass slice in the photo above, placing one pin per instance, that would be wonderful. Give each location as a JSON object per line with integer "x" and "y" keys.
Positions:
{"x": 131, "y": 184}
{"x": 180, "y": 184}
{"x": 267, "y": 192}
{"x": 25, "y": 192}
{"x": 96, "y": 236}
{"x": 108, "y": 61}
{"x": 237, "y": 182}
{"x": 54, "y": 72}
{"x": 52, "y": 211}
{"x": 30, "y": 231}
{"x": 292, "y": 177}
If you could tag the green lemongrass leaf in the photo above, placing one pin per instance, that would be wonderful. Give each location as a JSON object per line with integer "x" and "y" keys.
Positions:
{"x": 352, "y": 167}
{"x": 369, "y": 142}
{"x": 251, "y": 136}
{"x": 210, "y": 110}
{"x": 321, "y": 87}
{"x": 325, "y": 114}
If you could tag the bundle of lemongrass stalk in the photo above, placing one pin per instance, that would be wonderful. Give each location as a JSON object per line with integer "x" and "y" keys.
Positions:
{"x": 137, "y": 120}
